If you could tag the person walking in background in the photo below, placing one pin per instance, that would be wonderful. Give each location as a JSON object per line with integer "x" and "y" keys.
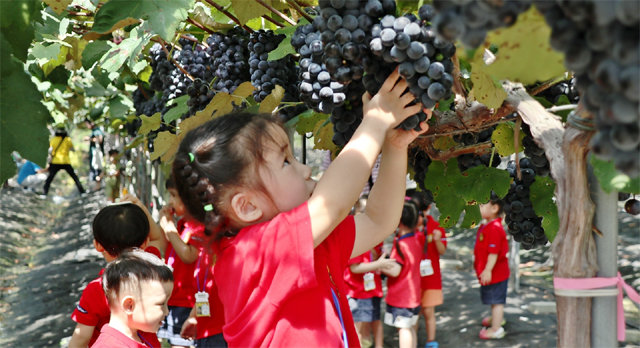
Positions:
{"x": 403, "y": 284}
{"x": 60, "y": 145}
{"x": 96, "y": 153}
{"x": 30, "y": 175}
{"x": 492, "y": 266}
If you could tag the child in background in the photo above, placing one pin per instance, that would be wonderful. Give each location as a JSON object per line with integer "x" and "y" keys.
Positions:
{"x": 403, "y": 284}
{"x": 492, "y": 266}
{"x": 137, "y": 286}
{"x": 116, "y": 227}
{"x": 185, "y": 241}
{"x": 364, "y": 289}
{"x": 431, "y": 279}
{"x": 284, "y": 240}
{"x": 112, "y": 176}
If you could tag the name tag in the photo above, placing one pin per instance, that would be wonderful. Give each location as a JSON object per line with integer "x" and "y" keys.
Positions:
{"x": 426, "y": 269}
{"x": 369, "y": 282}
{"x": 202, "y": 304}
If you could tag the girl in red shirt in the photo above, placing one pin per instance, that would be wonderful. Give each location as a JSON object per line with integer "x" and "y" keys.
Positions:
{"x": 283, "y": 240}
{"x": 403, "y": 284}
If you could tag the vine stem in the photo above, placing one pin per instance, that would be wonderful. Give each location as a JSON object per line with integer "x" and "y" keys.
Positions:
{"x": 280, "y": 14}
{"x": 516, "y": 141}
{"x": 458, "y": 88}
{"x": 562, "y": 107}
{"x": 228, "y": 14}
{"x": 163, "y": 43}
{"x": 462, "y": 131}
{"x": 144, "y": 94}
{"x": 201, "y": 26}
{"x": 273, "y": 21}
{"x": 297, "y": 7}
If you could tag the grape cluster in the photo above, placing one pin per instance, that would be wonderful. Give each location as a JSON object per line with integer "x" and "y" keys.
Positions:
{"x": 564, "y": 88}
{"x": 631, "y": 205}
{"x": 422, "y": 59}
{"x": 523, "y": 223}
{"x": 230, "y": 55}
{"x": 419, "y": 160}
{"x": 470, "y": 160}
{"x": 538, "y": 158}
{"x": 471, "y": 20}
{"x": 199, "y": 96}
{"x": 601, "y": 43}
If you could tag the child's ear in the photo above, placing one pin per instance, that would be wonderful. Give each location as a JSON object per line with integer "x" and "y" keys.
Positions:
{"x": 128, "y": 304}
{"x": 243, "y": 207}
{"x": 98, "y": 246}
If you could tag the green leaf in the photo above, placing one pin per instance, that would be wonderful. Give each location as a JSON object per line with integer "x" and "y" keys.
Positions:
{"x": 323, "y": 137}
{"x": 163, "y": 16}
{"x": 524, "y": 54}
{"x": 161, "y": 144}
{"x": 180, "y": 109}
{"x": 93, "y": 53}
{"x": 472, "y": 216}
{"x": 611, "y": 179}
{"x": 16, "y": 19}
{"x": 118, "y": 108}
{"x": 271, "y": 102}
{"x": 541, "y": 194}
{"x": 283, "y": 49}
{"x": 444, "y": 105}
{"x": 43, "y": 53}
{"x": 58, "y": 6}
{"x": 24, "y": 117}
{"x": 492, "y": 179}
{"x": 150, "y": 123}
{"x": 246, "y": 10}
{"x": 244, "y": 90}
{"x": 126, "y": 51}
{"x": 502, "y": 139}
{"x": 308, "y": 120}
{"x": 486, "y": 89}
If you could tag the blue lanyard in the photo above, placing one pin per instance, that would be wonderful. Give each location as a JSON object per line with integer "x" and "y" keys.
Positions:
{"x": 206, "y": 273}
{"x": 344, "y": 331}
{"x": 144, "y": 340}
{"x": 405, "y": 236}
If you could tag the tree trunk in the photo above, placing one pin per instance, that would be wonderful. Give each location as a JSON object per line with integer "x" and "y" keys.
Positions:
{"x": 574, "y": 247}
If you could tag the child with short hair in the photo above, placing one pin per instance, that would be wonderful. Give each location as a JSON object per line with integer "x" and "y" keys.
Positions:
{"x": 137, "y": 286}
{"x": 283, "y": 241}
{"x": 116, "y": 227}
{"x": 492, "y": 266}
{"x": 403, "y": 283}
{"x": 186, "y": 239}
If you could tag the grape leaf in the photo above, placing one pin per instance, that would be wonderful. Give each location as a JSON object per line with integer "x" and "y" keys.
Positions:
{"x": 271, "y": 102}
{"x": 24, "y": 117}
{"x": 502, "y": 139}
{"x": 323, "y": 137}
{"x": 93, "y": 52}
{"x": 163, "y": 16}
{"x": 139, "y": 139}
{"x": 244, "y": 90}
{"x": 126, "y": 51}
{"x": 541, "y": 195}
{"x": 486, "y": 89}
{"x": 308, "y": 120}
{"x": 74, "y": 54}
{"x": 444, "y": 143}
{"x": 524, "y": 53}
{"x": 119, "y": 106}
{"x": 282, "y": 50}
{"x": 246, "y": 10}
{"x": 472, "y": 216}
{"x": 150, "y": 123}
{"x": 180, "y": 109}
{"x": 611, "y": 179}
{"x": 16, "y": 19}
{"x": 58, "y": 6}
{"x": 491, "y": 179}
{"x": 161, "y": 144}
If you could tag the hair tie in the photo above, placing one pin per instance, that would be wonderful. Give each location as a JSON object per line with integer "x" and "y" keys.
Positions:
{"x": 192, "y": 157}
{"x": 407, "y": 198}
{"x": 208, "y": 207}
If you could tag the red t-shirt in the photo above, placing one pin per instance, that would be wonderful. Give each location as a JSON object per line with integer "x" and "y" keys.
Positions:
{"x": 491, "y": 239}
{"x": 433, "y": 281}
{"x": 110, "y": 338}
{"x": 277, "y": 289}
{"x": 404, "y": 291}
{"x": 355, "y": 281}
{"x": 183, "y": 285}
{"x": 93, "y": 308}
{"x": 203, "y": 278}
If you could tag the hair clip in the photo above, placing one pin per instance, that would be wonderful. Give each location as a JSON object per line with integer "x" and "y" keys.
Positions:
{"x": 192, "y": 157}
{"x": 208, "y": 207}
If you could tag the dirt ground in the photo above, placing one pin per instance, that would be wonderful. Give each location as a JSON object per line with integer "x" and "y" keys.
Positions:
{"x": 46, "y": 259}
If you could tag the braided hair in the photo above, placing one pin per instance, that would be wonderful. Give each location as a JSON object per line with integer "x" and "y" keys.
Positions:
{"x": 214, "y": 158}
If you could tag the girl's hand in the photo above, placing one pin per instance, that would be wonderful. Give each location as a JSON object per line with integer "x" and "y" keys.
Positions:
{"x": 401, "y": 138}
{"x": 189, "y": 329}
{"x": 485, "y": 277}
{"x": 391, "y": 104}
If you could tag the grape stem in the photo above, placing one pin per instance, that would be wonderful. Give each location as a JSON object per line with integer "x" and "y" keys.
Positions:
{"x": 562, "y": 107}
{"x": 475, "y": 129}
{"x": 458, "y": 88}
{"x": 144, "y": 94}
{"x": 228, "y": 14}
{"x": 273, "y": 21}
{"x": 163, "y": 43}
{"x": 297, "y": 7}
{"x": 201, "y": 26}
{"x": 516, "y": 142}
{"x": 280, "y": 14}
{"x": 438, "y": 155}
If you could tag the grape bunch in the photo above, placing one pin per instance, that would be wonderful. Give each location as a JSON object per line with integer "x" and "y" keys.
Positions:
{"x": 564, "y": 88}
{"x": 470, "y": 160}
{"x": 199, "y": 96}
{"x": 523, "y": 223}
{"x": 229, "y": 63}
{"x": 535, "y": 153}
{"x": 146, "y": 102}
{"x": 471, "y": 20}
{"x": 423, "y": 59}
{"x": 419, "y": 160}
{"x": 601, "y": 43}
{"x": 631, "y": 205}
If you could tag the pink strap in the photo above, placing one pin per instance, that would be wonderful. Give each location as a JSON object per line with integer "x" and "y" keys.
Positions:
{"x": 600, "y": 282}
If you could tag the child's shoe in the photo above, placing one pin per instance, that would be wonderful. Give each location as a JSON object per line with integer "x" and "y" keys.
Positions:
{"x": 486, "y": 322}
{"x": 486, "y": 335}
{"x": 432, "y": 344}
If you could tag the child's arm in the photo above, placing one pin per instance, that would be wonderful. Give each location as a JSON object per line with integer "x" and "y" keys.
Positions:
{"x": 81, "y": 336}
{"x": 190, "y": 326}
{"x": 393, "y": 270}
{"x": 341, "y": 184}
{"x": 437, "y": 239}
{"x": 186, "y": 252}
{"x": 485, "y": 276}
{"x": 156, "y": 235}
{"x": 381, "y": 264}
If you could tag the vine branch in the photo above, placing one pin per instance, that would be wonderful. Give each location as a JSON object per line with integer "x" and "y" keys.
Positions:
{"x": 297, "y": 7}
{"x": 201, "y": 26}
{"x": 280, "y": 14}
{"x": 228, "y": 14}
{"x": 273, "y": 21}
{"x": 173, "y": 61}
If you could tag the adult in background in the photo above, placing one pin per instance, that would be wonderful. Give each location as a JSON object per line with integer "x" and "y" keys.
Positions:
{"x": 96, "y": 152}
{"x": 30, "y": 175}
{"x": 60, "y": 145}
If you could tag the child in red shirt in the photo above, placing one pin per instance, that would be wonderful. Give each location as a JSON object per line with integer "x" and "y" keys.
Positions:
{"x": 284, "y": 240}
{"x": 403, "y": 284}
{"x": 137, "y": 286}
{"x": 364, "y": 289}
{"x": 185, "y": 241}
{"x": 492, "y": 266}
{"x": 116, "y": 227}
